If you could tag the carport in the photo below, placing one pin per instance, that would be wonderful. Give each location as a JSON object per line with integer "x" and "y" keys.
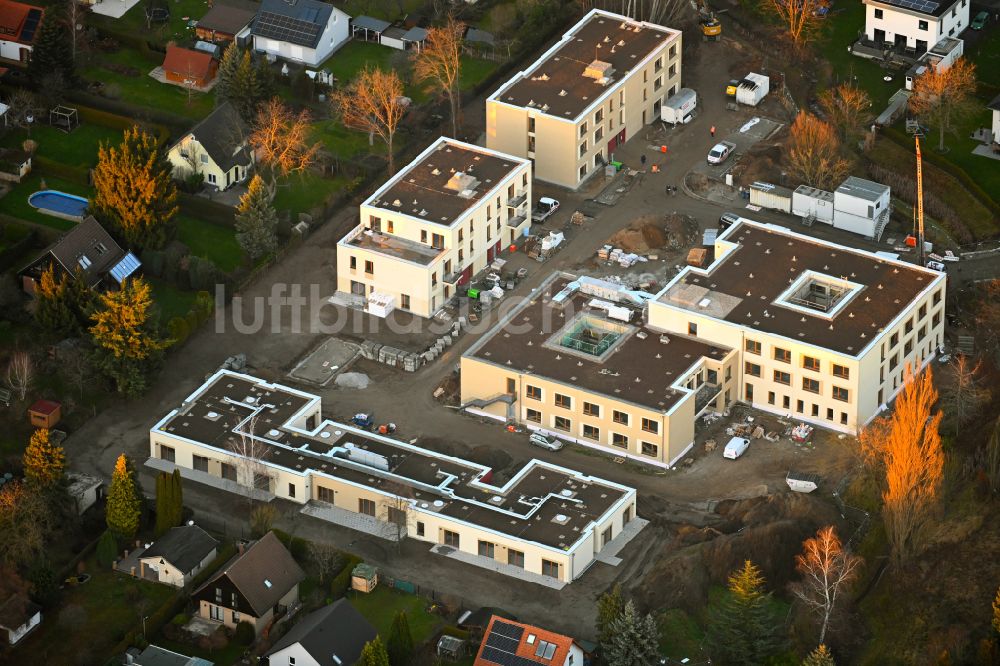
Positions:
{"x": 415, "y": 37}
{"x": 371, "y": 27}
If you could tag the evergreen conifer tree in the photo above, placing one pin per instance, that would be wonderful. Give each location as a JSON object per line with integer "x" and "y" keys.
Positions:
{"x": 123, "y": 510}
{"x": 374, "y": 653}
{"x": 44, "y": 462}
{"x": 633, "y": 639}
{"x": 399, "y": 645}
{"x": 52, "y": 51}
{"x": 742, "y": 627}
{"x": 256, "y": 220}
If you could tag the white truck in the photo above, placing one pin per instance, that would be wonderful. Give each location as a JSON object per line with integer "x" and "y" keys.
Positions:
{"x": 679, "y": 109}
{"x": 720, "y": 152}
{"x": 545, "y": 208}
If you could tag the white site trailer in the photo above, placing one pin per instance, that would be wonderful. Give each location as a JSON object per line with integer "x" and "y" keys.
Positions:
{"x": 679, "y": 109}
{"x": 753, "y": 88}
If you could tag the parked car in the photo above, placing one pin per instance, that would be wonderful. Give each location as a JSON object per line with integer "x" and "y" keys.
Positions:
{"x": 720, "y": 152}
{"x": 936, "y": 266}
{"x": 545, "y": 442}
{"x": 736, "y": 447}
{"x": 979, "y": 22}
{"x": 727, "y": 220}
{"x": 545, "y": 207}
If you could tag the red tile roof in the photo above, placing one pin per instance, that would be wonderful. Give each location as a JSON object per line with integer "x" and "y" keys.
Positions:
{"x": 12, "y": 16}
{"x": 45, "y": 407}
{"x": 188, "y": 62}
{"x": 526, "y": 650}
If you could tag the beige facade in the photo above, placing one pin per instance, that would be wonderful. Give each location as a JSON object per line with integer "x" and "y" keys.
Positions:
{"x": 405, "y": 251}
{"x": 382, "y": 495}
{"x": 226, "y": 616}
{"x": 168, "y": 574}
{"x": 567, "y": 148}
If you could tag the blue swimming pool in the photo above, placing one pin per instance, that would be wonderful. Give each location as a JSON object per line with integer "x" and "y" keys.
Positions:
{"x": 59, "y": 204}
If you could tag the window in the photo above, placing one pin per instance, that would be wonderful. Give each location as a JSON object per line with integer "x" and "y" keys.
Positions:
{"x": 354, "y": 263}
{"x": 894, "y": 361}
{"x": 531, "y": 124}
{"x": 545, "y": 650}
{"x": 583, "y": 129}
{"x": 840, "y": 393}
{"x": 451, "y": 539}
{"x": 434, "y": 279}
{"x": 590, "y": 409}
{"x": 672, "y": 52}
{"x": 515, "y": 558}
{"x": 420, "y": 528}
{"x": 692, "y": 328}
{"x": 550, "y": 568}
{"x": 936, "y": 298}
{"x": 291, "y": 490}
{"x": 605, "y": 538}
{"x": 649, "y": 449}
{"x": 658, "y": 83}
{"x": 748, "y": 392}
{"x": 786, "y": 402}
{"x": 893, "y": 340}
{"x": 404, "y": 301}
{"x": 369, "y": 267}
{"x": 167, "y": 453}
{"x": 389, "y": 226}
{"x": 799, "y": 406}
{"x": 204, "y": 159}
{"x": 922, "y": 25}
{"x": 815, "y": 409}
{"x": 751, "y": 369}
{"x": 619, "y": 440}
{"x": 592, "y": 432}
{"x": 782, "y": 377}
{"x": 658, "y": 65}
{"x": 810, "y": 363}
{"x": 396, "y": 516}
{"x": 199, "y": 463}
{"x": 782, "y": 355}
{"x": 878, "y": 13}
{"x": 841, "y": 371}
{"x": 218, "y": 595}
{"x": 810, "y": 385}
{"x": 533, "y": 392}
{"x": 531, "y": 143}
{"x": 291, "y": 661}
{"x": 437, "y": 241}
{"x": 564, "y": 401}
{"x": 598, "y": 134}
{"x": 672, "y": 72}
{"x": 562, "y": 423}
{"x": 922, "y": 312}
{"x": 936, "y": 319}
{"x": 236, "y": 617}
{"x": 486, "y": 549}
{"x": 908, "y": 328}
{"x": 770, "y": 397}
{"x": 524, "y": 179}
{"x": 921, "y": 333}
{"x": 752, "y": 347}
{"x": 366, "y": 506}
{"x": 599, "y": 116}
{"x": 215, "y": 612}
{"x": 583, "y": 172}
{"x": 620, "y": 417}
{"x": 228, "y": 471}
{"x": 907, "y": 346}
{"x": 533, "y": 415}
{"x": 324, "y": 494}
{"x": 583, "y": 149}
{"x": 843, "y": 418}
{"x": 649, "y": 425}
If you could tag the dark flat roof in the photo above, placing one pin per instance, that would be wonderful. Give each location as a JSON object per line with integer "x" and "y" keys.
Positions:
{"x": 557, "y": 81}
{"x": 422, "y": 189}
{"x": 745, "y": 283}
{"x": 638, "y": 370}
{"x": 525, "y": 510}
{"x": 229, "y": 16}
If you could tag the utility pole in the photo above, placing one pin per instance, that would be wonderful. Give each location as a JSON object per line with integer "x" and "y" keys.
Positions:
{"x": 920, "y": 204}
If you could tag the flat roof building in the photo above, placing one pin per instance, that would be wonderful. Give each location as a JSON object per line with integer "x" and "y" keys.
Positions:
{"x": 443, "y": 218}
{"x": 545, "y": 519}
{"x": 596, "y": 88}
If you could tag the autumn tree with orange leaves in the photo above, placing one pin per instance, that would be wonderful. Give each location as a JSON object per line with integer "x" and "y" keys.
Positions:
{"x": 373, "y": 103}
{"x": 439, "y": 63}
{"x": 944, "y": 97}
{"x": 814, "y": 152}
{"x": 26, "y": 521}
{"x": 827, "y": 570}
{"x": 281, "y": 142}
{"x": 847, "y": 107}
{"x": 904, "y": 449}
{"x": 800, "y": 20}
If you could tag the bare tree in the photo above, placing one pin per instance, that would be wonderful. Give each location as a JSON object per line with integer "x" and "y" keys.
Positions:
{"x": 373, "y": 103}
{"x": 76, "y": 365}
{"x": 395, "y": 512}
{"x": 22, "y": 104}
{"x": 904, "y": 449}
{"x": 963, "y": 393}
{"x": 20, "y": 374}
{"x": 826, "y": 570}
{"x": 663, "y": 12}
{"x": 800, "y": 19}
{"x": 847, "y": 108}
{"x": 814, "y": 152}
{"x": 281, "y": 141}
{"x": 993, "y": 458}
{"x": 251, "y": 455}
{"x": 943, "y": 97}
{"x": 325, "y": 556}
{"x": 439, "y": 62}
{"x": 75, "y": 14}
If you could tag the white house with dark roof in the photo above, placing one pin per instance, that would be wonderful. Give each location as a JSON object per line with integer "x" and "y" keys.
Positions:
{"x": 334, "y": 635}
{"x": 178, "y": 556}
{"x": 216, "y": 148}
{"x": 303, "y": 31}
{"x": 916, "y": 25}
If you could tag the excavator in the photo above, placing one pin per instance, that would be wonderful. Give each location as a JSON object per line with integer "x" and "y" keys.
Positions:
{"x": 711, "y": 27}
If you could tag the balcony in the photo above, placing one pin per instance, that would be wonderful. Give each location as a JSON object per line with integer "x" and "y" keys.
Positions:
{"x": 518, "y": 200}
{"x": 392, "y": 246}
{"x": 517, "y": 220}
{"x": 704, "y": 396}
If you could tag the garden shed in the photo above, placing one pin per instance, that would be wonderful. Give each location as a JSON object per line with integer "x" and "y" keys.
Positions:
{"x": 364, "y": 578}
{"x": 45, "y": 413}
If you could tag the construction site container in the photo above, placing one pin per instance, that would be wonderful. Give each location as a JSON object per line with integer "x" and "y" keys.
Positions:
{"x": 774, "y": 197}
{"x": 697, "y": 257}
{"x": 679, "y": 108}
{"x": 752, "y": 89}
{"x": 812, "y": 203}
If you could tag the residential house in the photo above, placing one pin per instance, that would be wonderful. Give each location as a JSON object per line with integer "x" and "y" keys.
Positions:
{"x": 302, "y": 31}
{"x": 227, "y": 21}
{"x": 19, "y": 25}
{"x": 332, "y": 636}
{"x": 806, "y": 329}
{"x": 18, "y": 616}
{"x": 440, "y": 220}
{"x": 178, "y": 556}
{"x": 256, "y": 585}
{"x": 86, "y": 250}
{"x": 994, "y": 107}
{"x": 189, "y": 67}
{"x": 156, "y": 656}
{"x": 545, "y": 523}
{"x": 216, "y": 148}
{"x": 510, "y": 643}
{"x": 597, "y": 87}
{"x": 914, "y": 25}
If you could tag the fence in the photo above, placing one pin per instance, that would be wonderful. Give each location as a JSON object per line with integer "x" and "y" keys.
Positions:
{"x": 853, "y": 514}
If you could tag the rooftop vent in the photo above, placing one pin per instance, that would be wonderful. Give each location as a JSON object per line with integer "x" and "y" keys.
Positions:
{"x": 462, "y": 182}
{"x": 601, "y": 71}
{"x": 563, "y": 93}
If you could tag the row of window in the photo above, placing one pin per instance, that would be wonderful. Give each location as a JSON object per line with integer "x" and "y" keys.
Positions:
{"x": 591, "y": 409}
{"x": 593, "y": 433}
{"x": 808, "y": 383}
{"x": 785, "y": 356}
{"x": 515, "y": 558}
{"x": 800, "y": 405}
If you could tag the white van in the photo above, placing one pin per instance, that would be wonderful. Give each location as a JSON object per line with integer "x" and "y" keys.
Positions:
{"x": 736, "y": 447}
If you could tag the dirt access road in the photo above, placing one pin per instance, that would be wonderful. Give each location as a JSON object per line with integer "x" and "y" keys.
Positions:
{"x": 675, "y": 498}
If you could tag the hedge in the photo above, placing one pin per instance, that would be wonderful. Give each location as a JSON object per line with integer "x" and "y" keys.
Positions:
{"x": 155, "y": 621}
{"x": 342, "y": 581}
{"x": 171, "y": 121}
{"x": 118, "y": 121}
{"x": 207, "y": 210}
{"x": 15, "y": 251}
{"x": 51, "y": 167}
{"x": 297, "y": 546}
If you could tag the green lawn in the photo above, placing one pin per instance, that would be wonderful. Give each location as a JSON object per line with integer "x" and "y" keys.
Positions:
{"x": 210, "y": 241}
{"x": 381, "y": 606}
{"x": 986, "y": 54}
{"x": 842, "y": 30}
{"x": 134, "y": 21}
{"x": 343, "y": 142}
{"x": 300, "y": 194}
{"x": 171, "y": 301}
{"x": 16, "y": 201}
{"x": 680, "y": 635}
{"x": 78, "y": 148}
{"x": 91, "y": 619}
{"x": 225, "y": 657}
{"x": 474, "y": 71}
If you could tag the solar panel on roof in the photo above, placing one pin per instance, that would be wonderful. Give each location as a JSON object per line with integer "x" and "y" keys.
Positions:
{"x": 926, "y": 6}
{"x": 31, "y": 25}
{"x": 508, "y": 630}
{"x": 502, "y": 642}
{"x": 287, "y": 29}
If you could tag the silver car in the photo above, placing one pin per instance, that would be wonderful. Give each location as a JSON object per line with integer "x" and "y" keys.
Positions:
{"x": 545, "y": 442}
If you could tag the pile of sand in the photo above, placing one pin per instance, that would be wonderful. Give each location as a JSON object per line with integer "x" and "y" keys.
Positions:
{"x": 655, "y": 232}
